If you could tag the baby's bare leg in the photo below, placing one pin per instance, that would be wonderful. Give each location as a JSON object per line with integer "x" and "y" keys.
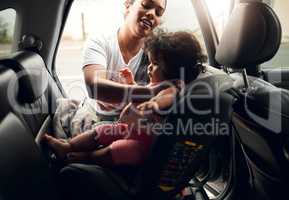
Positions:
{"x": 84, "y": 142}
{"x": 80, "y": 143}
{"x": 60, "y": 147}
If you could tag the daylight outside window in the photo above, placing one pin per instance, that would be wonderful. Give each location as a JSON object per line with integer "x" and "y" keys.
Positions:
{"x": 7, "y": 22}
{"x": 86, "y": 17}
{"x": 219, "y": 11}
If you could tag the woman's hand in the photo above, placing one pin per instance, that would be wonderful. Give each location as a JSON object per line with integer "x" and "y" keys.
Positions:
{"x": 127, "y": 76}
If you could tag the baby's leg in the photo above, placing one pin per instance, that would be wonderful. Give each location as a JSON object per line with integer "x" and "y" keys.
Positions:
{"x": 60, "y": 146}
{"x": 89, "y": 140}
{"x": 84, "y": 142}
{"x": 80, "y": 143}
{"x": 100, "y": 157}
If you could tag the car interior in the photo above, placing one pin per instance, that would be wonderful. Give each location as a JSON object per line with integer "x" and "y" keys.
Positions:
{"x": 250, "y": 162}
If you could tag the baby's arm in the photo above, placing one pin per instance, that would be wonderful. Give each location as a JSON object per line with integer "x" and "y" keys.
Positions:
{"x": 161, "y": 101}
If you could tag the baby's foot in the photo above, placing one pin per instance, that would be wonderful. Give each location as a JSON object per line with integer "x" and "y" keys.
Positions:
{"x": 59, "y": 146}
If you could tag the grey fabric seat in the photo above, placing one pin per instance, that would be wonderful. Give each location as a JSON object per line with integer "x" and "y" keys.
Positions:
{"x": 26, "y": 93}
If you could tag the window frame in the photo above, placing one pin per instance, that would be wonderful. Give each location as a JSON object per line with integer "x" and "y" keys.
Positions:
{"x": 53, "y": 68}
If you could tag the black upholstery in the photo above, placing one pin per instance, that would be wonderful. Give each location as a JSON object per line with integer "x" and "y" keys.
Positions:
{"x": 27, "y": 95}
{"x": 261, "y": 119}
{"x": 24, "y": 174}
{"x": 6, "y": 76}
{"x": 30, "y": 69}
{"x": 80, "y": 181}
{"x": 27, "y": 88}
{"x": 251, "y": 36}
{"x": 261, "y": 115}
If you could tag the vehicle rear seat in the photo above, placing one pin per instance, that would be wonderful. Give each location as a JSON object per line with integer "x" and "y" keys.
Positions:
{"x": 24, "y": 174}
{"x": 5, "y": 76}
{"x": 175, "y": 156}
{"x": 27, "y": 94}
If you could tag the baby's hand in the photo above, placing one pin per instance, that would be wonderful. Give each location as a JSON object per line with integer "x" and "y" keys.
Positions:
{"x": 127, "y": 76}
{"x": 148, "y": 107}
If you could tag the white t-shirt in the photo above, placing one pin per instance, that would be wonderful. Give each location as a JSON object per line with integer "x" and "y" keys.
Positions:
{"x": 103, "y": 49}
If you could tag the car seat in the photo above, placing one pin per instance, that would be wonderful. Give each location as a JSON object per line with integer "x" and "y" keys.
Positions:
{"x": 260, "y": 118}
{"x": 175, "y": 156}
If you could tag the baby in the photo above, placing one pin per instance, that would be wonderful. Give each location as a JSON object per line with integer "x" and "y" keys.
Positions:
{"x": 172, "y": 56}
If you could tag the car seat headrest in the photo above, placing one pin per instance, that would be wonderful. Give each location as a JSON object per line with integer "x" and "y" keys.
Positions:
{"x": 251, "y": 36}
{"x": 32, "y": 79}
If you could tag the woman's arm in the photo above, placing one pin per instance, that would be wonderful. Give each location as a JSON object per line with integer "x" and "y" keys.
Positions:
{"x": 112, "y": 92}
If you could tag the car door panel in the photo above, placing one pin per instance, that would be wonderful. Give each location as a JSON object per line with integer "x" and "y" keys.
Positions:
{"x": 277, "y": 77}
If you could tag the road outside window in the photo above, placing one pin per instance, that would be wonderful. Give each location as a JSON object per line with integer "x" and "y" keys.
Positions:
{"x": 7, "y": 22}
{"x": 281, "y": 59}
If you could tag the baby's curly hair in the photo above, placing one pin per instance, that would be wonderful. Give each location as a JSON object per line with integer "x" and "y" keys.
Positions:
{"x": 178, "y": 50}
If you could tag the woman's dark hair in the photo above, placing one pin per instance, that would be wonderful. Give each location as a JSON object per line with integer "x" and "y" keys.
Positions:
{"x": 132, "y": 1}
{"x": 179, "y": 51}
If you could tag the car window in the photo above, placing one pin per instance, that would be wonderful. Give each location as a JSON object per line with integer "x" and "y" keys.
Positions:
{"x": 219, "y": 11}
{"x": 185, "y": 19}
{"x": 7, "y": 22}
{"x": 88, "y": 17}
{"x": 281, "y": 59}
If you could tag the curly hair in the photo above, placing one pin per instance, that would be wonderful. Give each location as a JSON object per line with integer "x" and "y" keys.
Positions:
{"x": 179, "y": 51}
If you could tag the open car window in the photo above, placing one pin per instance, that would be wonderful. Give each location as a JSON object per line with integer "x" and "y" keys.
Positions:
{"x": 7, "y": 23}
{"x": 180, "y": 15}
{"x": 219, "y": 11}
{"x": 281, "y": 59}
{"x": 89, "y": 17}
